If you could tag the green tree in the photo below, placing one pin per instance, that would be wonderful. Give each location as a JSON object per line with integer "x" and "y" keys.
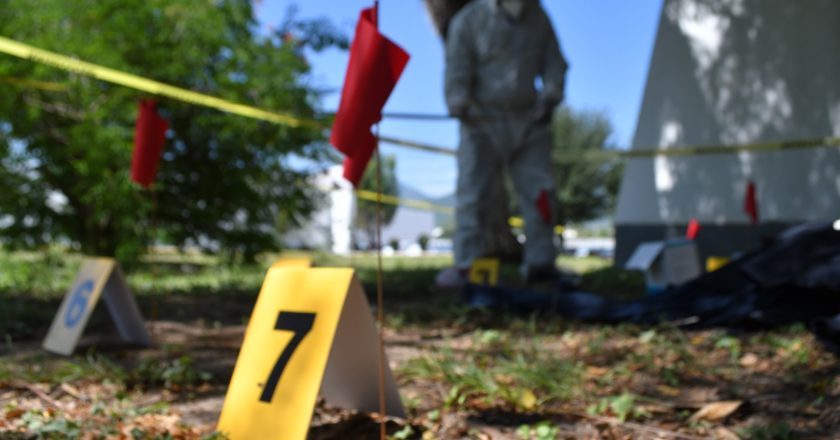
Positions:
{"x": 224, "y": 180}
{"x": 366, "y": 209}
{"x": 423, "y": 241}
{"x": 586, "y": 189}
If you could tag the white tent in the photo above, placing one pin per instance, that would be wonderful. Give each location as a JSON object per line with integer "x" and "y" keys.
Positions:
{"x": 729, "y": 72}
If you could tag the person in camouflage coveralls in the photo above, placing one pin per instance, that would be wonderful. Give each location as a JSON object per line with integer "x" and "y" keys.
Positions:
{"x": 496, "y": 52}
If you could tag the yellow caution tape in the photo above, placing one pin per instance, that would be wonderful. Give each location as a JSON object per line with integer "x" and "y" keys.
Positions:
{"x": 33, "y": 84}
{"x": 514, "y": 222}
{"x": 642, "y": 153}
{"x": 737, "y": 148}
{"x": 113, "y": 76}
{"x": 27, "y": 52}
{"x": 410, "y": 203}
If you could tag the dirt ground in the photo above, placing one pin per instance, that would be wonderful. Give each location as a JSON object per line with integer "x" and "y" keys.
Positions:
{"x": 628, "y": 382}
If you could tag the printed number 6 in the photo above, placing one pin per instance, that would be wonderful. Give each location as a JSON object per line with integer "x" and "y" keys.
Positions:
{"x": 298, "y": 323}
{"x": 78, "y": 303}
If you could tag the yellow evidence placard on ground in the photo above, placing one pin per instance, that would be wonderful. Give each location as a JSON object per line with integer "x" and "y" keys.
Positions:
{"x": 485, "y": 271}
{"x": 292, "y": 262}
{"x": 311, "y": 329}
{"x": 97, "y": 278}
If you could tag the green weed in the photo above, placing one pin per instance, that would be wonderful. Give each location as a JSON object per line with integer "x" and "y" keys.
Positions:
{"x": 498, "y": 370}
{"x": 774, "y": 430}
{"x": 540, "y": 431}
{"x": 623, "y": 406}
{"x": 178, "y": 373}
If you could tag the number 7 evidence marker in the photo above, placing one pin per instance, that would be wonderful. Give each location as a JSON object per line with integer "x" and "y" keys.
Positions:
{"x": 311, "y": 330}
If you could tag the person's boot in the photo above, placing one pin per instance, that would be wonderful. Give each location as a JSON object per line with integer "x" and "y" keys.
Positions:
{"x": 451, "y": 278}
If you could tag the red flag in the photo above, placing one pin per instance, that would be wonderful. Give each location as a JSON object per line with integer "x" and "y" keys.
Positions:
{"x": 692, "y": 229}
{"x": 375, "y": 66}
{"x": 750, "y": 202}
{"x": 149, "y": 134}
{"x": 544, "y": 207}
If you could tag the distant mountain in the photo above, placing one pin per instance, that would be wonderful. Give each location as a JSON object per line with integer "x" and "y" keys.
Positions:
{"x": 448, "y": 200}
{"x": 441, "y": 219}
{"x": 409, "y": 192}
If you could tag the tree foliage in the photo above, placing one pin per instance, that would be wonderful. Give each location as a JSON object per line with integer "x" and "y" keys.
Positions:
{"x": 586, "y": 189}
{"x": 224, "y": 180}
{"x": 366, "y": 209}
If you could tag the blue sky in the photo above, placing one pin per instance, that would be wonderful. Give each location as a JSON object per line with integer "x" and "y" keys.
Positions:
{"x": 608, "y": 44}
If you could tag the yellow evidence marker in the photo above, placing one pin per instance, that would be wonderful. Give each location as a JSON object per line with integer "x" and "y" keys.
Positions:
{"x": 311, "y": 330}
{"x": 292, "y": 262}
{"x": 485, "y": 271}
{"x": 98, "y": 277}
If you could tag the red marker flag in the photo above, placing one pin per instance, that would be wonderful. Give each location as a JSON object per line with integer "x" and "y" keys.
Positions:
{"x": 375, "y": 66}
{"x": 750, "y": 202}
{"x": 149, "y": 135}
{"x": 544, "y": 207}
{"x": 693, "y": 229}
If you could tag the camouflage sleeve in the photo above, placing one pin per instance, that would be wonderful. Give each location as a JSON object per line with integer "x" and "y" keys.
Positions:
{"x": 554, "y": 67}
{"x": 460, "y": 62}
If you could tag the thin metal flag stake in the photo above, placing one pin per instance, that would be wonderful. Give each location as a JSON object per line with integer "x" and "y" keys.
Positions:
{"x": 380, "y": 313}
{"x": 154, "y": 228}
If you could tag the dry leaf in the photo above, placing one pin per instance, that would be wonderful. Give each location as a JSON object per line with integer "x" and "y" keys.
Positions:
{"x": 721, "y": 433}
{"x": 748, "y": 360}
{"x": 594, "y": 371}
{"x": 668, "y": 391}
{"x": 14, "y": 413}
{"x": 713, "y": 412}
{"x": 527, "y": 399}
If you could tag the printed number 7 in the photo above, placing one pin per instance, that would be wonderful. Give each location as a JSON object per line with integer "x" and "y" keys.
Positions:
{"x": 298, "y": 323}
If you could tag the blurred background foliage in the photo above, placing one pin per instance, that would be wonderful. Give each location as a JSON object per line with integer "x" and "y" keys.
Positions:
{"x": 224, "y": 183}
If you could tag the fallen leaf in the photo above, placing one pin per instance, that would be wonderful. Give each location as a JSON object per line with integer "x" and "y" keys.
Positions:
{"x": 748, "y": 360}
{"x": 713, "y": 412}
{"x": 527, "y": 399}
{"x": 14, "y": 413}
{"x": 668, "y": 391}
{"x": 594, "y": 371}
{"x": 722, "y": 433}
{"x": 71, "y": 390}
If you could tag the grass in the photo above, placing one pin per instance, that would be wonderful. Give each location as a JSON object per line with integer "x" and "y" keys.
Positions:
{"x": 496, "y": 369}
{"x": 523, "y": 373}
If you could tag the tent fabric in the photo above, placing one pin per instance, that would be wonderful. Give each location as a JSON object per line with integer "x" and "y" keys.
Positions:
{"x": 794, "y": 279}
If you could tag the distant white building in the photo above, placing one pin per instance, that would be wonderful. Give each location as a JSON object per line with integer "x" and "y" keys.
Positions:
{"x": 331, "y": 227}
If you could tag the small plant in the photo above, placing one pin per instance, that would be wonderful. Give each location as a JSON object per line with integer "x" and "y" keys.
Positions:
{"x": 541, "y": 431}
{"x": 732, "y": 344}
{"x": 50, "y": 429}
{"x": 624, "y": 407}
{"x": 177, "y": 373}
{"x": 776, "y": 430}
{"x": 403, "y": 434}
{"x": 499, "y": 372}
